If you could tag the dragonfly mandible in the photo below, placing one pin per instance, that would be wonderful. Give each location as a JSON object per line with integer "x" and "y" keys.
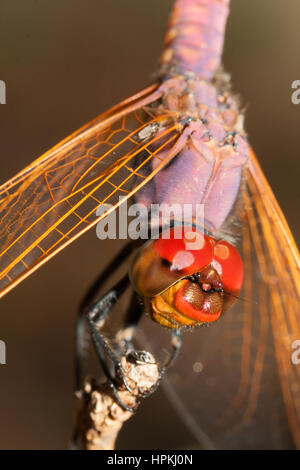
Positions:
{"x": 53, "y": 201}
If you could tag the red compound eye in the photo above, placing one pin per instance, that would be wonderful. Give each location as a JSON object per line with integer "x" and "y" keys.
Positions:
{"x": 189, "y": 254}
{"x": 228, "y": 264}
{"x": 196, "y": 304}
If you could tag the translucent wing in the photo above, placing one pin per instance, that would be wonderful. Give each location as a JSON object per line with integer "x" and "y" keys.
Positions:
{"x": 54, "y": 200}
{"x": 234, "y": 384}
{"x": 279, "y": 264}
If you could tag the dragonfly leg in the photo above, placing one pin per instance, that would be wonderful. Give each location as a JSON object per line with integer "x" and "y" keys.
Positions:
{"x": 96, "y": 317}
{"x": 134, "y": 312}
{"x": 136, "y": 309}
{"x": 124, "y": 337}
{"x": 85, "y": 307}
{"x": 176, "y": 343}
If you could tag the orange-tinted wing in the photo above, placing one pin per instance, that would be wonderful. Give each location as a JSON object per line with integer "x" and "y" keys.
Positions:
{"x": 54, "y": 200}
{"x": 279, "y": 264}
{"x": 234, "y": 384}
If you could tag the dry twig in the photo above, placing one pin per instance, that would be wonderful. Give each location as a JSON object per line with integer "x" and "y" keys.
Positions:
{"x": 99, "y": 416}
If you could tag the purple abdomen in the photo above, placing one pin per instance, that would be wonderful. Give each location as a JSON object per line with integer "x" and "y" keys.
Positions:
{"x": 195, "y": 37}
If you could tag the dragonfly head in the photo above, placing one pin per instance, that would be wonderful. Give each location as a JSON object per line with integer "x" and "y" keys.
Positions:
{"x": 187, "y": 278}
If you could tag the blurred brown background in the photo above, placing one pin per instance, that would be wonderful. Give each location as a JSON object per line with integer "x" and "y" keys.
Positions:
{"x": 64, "y": 62}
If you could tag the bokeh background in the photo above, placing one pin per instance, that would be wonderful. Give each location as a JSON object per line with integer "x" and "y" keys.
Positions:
{"x": 64, "y": 62}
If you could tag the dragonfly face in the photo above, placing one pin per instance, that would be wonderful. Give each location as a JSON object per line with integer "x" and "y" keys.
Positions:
{"x": 187, "y": 287}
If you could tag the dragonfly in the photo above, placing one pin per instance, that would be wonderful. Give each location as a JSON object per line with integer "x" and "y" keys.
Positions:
{"x": 181, "y": 141}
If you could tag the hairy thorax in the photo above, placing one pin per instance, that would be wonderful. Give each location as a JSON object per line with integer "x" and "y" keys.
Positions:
{"x": 207, "y": 169}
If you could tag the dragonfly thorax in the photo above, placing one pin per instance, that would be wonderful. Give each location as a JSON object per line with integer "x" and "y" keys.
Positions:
{"x": 209, "y": 155}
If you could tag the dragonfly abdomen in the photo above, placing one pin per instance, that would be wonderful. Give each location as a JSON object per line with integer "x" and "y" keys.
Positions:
{"x": 195, "y": 36}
